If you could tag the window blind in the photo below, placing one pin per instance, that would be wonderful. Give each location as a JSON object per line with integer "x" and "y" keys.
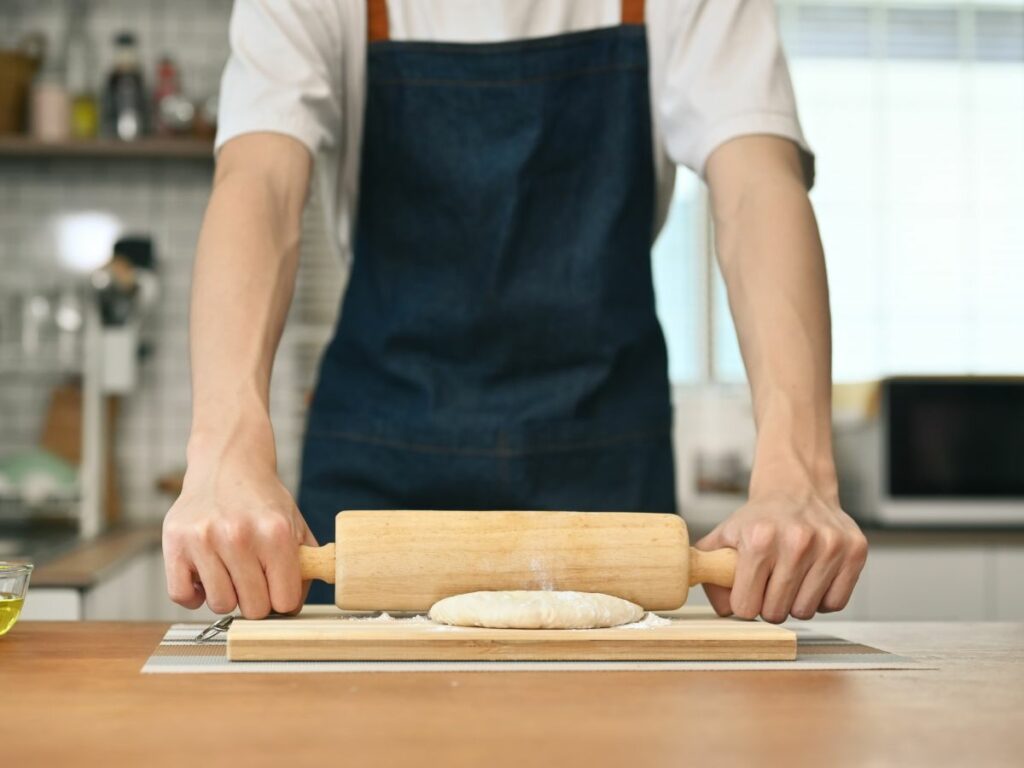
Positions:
{"x": 903, "y": 31}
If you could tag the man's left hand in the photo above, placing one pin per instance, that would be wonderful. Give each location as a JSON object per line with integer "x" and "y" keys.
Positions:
{"x": 798, "y": 555}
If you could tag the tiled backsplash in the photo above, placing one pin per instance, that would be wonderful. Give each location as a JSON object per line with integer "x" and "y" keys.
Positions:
{"x": 165, "y": 199}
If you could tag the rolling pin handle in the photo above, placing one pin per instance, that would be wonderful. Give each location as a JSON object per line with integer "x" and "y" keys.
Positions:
{"x": 317, "y": 563}
{"x": 715, "y": 567}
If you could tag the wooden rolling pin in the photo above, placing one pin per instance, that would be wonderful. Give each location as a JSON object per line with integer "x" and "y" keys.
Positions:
{"x": 398, "y": 560}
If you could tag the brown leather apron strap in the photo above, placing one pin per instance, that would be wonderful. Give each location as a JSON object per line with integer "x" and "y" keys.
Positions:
{"x": 376, "y": 20}
{"x": 632, "y": 11}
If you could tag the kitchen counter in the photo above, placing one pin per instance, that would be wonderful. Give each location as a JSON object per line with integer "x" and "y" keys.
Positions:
{"x": 62, "y": 559}
{"x": 116, "y": 576}
{"x": 74, "y": 695}
{"x": 89, "y": 562}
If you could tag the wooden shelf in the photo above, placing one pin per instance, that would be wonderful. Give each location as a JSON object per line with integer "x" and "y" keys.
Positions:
{"x": 24, "y": 147}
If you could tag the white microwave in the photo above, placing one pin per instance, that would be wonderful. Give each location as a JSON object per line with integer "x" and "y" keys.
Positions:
{"x": 945, "y": 452}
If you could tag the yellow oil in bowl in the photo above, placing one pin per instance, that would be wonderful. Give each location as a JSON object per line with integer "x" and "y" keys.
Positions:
{"x": 10, "y": 610}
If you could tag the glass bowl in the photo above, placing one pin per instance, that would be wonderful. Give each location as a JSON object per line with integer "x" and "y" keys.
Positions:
{"x": 14, "y": 579}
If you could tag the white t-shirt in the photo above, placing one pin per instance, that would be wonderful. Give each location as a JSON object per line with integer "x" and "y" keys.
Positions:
{"x": 717, "y": 71}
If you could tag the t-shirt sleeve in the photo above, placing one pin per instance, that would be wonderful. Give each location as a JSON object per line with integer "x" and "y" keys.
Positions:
{"x": 284, "y": 72}
{"x": 718, "y": 71}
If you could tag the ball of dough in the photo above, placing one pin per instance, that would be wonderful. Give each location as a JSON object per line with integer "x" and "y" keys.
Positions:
{"x": 535, "y": 610}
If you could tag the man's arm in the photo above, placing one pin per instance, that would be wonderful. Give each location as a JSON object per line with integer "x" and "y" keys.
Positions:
{"x": 799, "y": 553}
{"x": 231, "y": 537}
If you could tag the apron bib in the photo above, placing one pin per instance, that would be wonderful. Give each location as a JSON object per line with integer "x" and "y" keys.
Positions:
{"x": 498, "y": 346}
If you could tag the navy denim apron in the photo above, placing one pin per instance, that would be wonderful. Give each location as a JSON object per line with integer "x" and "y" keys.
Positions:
{"x": 498, "y": 346}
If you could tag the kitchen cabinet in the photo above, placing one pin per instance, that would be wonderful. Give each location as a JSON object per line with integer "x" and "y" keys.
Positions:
{"x": 121, "y": 594}
{"x": 931, "y": 577}
{"x": 1008, "y": 581}
{"x": 918, "y": 575}
{"x": 119, "y": 576}
{"x": 134, "y": 591}
{"x": 52, "y": 604}
{"x": 933, "y": 583}
{"x": 927, "y": 583}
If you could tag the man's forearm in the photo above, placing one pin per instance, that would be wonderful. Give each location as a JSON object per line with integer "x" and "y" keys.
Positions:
{"x": 230, "y": 538}
{"x": 242, "y": 286}
{"x": 799, "y": 553}
{"x": 771, "y": 257}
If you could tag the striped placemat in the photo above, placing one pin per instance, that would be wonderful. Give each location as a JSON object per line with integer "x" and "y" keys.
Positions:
{"x": 180, "y": 652}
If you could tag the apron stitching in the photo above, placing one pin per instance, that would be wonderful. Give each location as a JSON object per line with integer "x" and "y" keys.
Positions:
{"x": 507, "y": 83}
{"x": 500, "y": 451}
{"x": 504, "y": 475}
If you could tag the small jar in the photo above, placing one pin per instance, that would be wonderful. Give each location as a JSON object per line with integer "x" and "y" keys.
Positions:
{"x": 51, "y": 109}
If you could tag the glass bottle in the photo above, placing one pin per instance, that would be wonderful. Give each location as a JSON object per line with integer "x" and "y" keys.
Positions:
{"x": 124, "y": 99}
{"x": 168, "y": 85}
{"x": 80, "y": 72}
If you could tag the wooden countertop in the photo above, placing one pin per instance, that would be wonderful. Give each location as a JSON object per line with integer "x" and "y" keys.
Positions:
{"x": 74, "y": 695}
{"x": 90, "y": 562}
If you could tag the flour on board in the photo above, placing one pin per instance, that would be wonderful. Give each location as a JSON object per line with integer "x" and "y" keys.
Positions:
{"x": 647, "y": 622}
{"x": 386, "y": 618}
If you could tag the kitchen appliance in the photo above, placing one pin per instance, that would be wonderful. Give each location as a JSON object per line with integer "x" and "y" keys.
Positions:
{"x": 123, "y": 293}
{"x": 407, "y": 560}
{"x": 125, "y": 290}
{"x": 944, "y": 452}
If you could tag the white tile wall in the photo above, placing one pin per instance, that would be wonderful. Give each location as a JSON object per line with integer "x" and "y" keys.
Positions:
{"x": 165, "y": 199}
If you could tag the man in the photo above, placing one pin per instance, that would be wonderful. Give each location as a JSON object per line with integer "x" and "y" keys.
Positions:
{"x": 498, "y": 348}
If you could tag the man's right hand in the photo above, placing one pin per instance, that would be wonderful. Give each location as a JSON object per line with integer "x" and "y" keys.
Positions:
{"x": 232, "y": 537}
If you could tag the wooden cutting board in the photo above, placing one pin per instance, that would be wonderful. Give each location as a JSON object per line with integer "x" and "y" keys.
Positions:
{"x": 323, "y": 633}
